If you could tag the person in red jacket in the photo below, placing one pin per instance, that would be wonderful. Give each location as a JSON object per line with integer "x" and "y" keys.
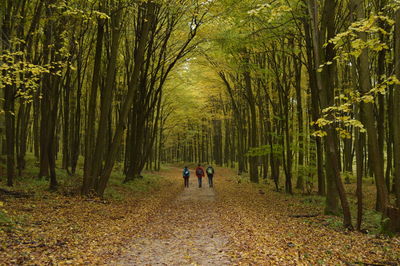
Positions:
{"x": 199, "y": 174}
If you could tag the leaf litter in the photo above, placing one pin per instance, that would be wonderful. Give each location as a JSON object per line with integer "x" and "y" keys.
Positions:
{"x": 231, "y": 224}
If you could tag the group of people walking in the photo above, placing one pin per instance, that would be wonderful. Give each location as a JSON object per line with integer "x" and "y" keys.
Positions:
{"x": 200, "y": 173}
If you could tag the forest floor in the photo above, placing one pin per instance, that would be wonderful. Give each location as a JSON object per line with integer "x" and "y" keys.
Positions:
{"x": 187, "y": 231}
{"x": 235, "y": 223}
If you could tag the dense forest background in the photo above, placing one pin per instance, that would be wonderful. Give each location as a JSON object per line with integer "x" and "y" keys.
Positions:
{"x": 304, "y": 93}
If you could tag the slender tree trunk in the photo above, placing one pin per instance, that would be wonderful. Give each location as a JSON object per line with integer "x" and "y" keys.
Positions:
{"x": 90, "y": 129}
{"x": 253, "y": 123}
{"x": 46, "y": 95}
{"x": 107, "y": 97}
{"x": 75, "y": 149}
{"x": 396, "y": 110}
{"x": 22, "y": 134}
{"x": 314, "y": 106}
{"x": 9, "y": 98}
{"x": 325, "y": 85}
{"x": 10, "y": 133}
{"x": 299, "y": 105}
{"x": 368, "y": 116}
{"x": 360, "y": 143}
{"x": 66, "y": 126}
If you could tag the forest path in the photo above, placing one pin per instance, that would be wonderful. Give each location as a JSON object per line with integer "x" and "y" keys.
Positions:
{"x": 185, "y": 232}
{"x": 238, "y": 222}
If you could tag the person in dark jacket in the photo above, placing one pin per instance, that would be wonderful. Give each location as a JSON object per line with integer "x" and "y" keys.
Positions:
{"x": 186, "y": 175}
{"x": 210, "y": 173}
{"x": 199, "y": 174}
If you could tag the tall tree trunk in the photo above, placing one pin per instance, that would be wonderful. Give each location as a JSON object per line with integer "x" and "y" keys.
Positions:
{"x": 326, "y": 86}
{"x": 253, "y": 122}
{"x": 10, "y": 132}
{"x": 50, "y": 90}
{"x": 88, "y": 182}
{"x": 22, "y": 134}
{"x": 396, "y": 110}
{"x": 106, "y": 99}
{"x": 314, "y": 106}
{"x": 9, "y": 98}
{"x": 46, "y": 95}
{"x": 359, "y": 143}
{"x": 66, "y": 127}
{"x": 299, "y": 105}
{"x": 75, "y": 134}
{"x": 368, "y": 115}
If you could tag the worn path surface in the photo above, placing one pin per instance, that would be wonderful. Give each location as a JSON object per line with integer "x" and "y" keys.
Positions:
{"x": 185, "y": 232}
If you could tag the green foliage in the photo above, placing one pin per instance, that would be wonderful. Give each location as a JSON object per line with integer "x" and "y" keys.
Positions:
{"x": 23, "y": 75}
{"x": 276, "y": 150}
{"x": 372, "y": 27}
{"x": 349, "y": 44}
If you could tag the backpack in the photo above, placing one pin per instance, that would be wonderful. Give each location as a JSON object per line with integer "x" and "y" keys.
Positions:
{"x": 210, "y": 170}
{"x": 186, "y": 172}
{"x": 199, "y": 171}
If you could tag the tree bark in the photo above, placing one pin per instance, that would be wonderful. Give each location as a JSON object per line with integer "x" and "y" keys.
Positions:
{"x": 88, "y": 182}
{"x": 106, "y": 99}
{"x": 360, "y": 143}
{"x": 396, "y": 110}
{"x": 9, "y": 99}
{"x": 325, "y": 86}
{"x": 314, "y": 106}
{"x": 368, "y": 116}
{"x": 253, "y": 120}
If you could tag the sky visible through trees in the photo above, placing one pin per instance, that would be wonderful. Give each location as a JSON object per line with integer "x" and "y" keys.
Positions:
{"x": 302, "y": 95}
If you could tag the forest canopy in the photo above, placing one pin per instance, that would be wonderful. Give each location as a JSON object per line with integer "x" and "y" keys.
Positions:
{"x": 304, "y": 93}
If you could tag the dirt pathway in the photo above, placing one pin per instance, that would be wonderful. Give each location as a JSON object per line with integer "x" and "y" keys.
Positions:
{"x": 185, "y": 232}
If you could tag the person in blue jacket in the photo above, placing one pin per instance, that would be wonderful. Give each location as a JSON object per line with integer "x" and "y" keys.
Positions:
{"x": 186, "y": 175}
